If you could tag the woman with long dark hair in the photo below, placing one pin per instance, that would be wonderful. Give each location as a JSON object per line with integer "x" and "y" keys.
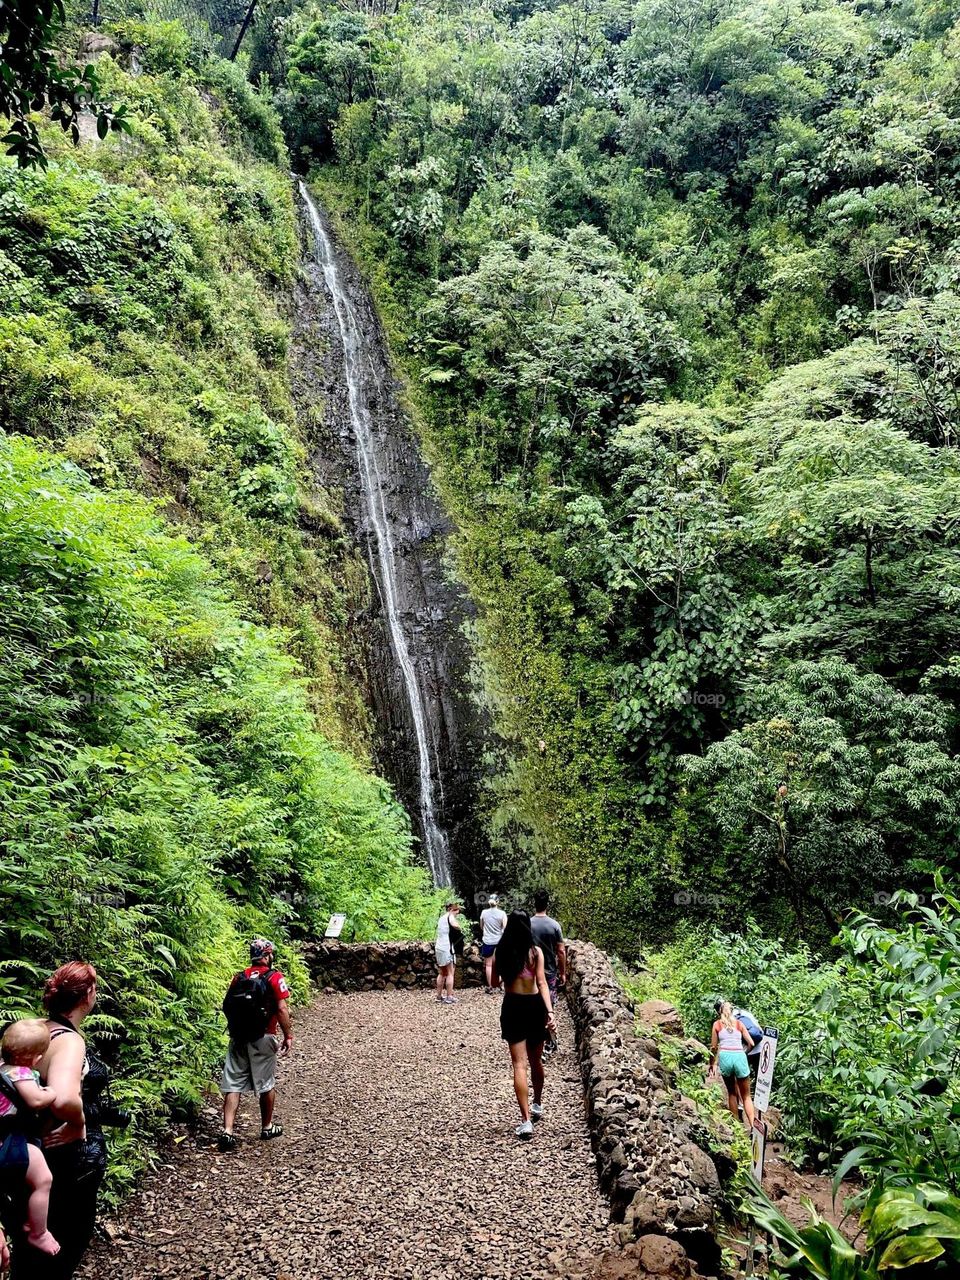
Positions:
{"x": 526, "y": 1015}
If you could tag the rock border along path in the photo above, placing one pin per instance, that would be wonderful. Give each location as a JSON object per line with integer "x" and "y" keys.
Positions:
{"x": 399, "y": 1162}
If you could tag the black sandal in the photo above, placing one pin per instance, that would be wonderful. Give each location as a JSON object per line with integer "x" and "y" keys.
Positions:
{"x": 272, "y": 1131}
{"x": 227, "y": 1142}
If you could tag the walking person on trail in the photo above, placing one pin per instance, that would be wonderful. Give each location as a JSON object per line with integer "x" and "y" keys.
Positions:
{"x": 257, "y": 1011}
{"x": 729, "y": 1042}
{"x": 449, "y": 935}
{"x": 493, "y": 921}
{"x": 526, "y": 1016}
{"x": 548, "y": 936}
{"x": 754, "y": 1030}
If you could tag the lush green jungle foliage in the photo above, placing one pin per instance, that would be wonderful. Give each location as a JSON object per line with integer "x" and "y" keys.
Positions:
{"x": 868, "y": 1058}
{"x": 866, "y": 1075}
{"x": 676, "y": 286}
{"x": 175, "y": 701}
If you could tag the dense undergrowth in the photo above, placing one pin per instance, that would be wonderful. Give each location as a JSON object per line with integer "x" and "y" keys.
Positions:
{"x": 867, "y": 1056}
{"x": 676, "y": 292}
{"x": 182, "y": 746}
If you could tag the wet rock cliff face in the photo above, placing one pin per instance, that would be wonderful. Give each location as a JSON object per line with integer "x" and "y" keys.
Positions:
{"x": 429, "y": 733}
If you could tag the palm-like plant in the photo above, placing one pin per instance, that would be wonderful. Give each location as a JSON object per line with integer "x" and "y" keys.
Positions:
{"x": 905, "y": 1227}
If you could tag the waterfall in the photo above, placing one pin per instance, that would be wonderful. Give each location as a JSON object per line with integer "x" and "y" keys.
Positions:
{"x": 360, "y": 381}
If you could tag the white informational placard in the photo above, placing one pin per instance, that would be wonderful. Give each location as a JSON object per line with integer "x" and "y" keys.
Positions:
{"x": 758, "y": 1139}
{"x": 335, "y": 927}
{"x": 768, "y": 1056}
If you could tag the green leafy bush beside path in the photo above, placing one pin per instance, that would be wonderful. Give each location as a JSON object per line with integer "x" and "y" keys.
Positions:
{"x": 164, "y": 788}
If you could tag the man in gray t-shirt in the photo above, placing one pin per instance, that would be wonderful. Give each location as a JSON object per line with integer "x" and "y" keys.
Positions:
{"x": 548, "y": 936}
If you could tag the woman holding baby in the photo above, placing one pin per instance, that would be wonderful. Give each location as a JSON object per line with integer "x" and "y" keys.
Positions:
{"x": 73, "y": 1144}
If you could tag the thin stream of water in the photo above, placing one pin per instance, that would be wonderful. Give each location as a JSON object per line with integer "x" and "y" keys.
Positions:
{"x": 381, "y": 546}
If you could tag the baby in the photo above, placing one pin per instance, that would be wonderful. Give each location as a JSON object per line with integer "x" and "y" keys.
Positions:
{"x": 22, "y": 1049}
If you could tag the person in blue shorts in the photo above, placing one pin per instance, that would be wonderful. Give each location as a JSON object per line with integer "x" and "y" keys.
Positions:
{"x": 493, "y": 921}
{"x": 754, "y": 1030}
{"x": 729, "y": 1043}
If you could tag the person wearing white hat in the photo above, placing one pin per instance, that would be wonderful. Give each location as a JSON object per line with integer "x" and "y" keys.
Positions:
{"x": 493, "y": 921}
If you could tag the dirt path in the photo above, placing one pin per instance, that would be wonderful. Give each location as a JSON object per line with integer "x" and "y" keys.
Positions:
{"x": 399, "y": 1162}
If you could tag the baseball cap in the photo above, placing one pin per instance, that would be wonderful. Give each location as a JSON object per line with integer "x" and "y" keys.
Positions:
{"x": 259, "y": 947}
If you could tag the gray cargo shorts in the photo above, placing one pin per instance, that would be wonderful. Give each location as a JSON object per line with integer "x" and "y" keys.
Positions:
{"x": 251, "y": 1068}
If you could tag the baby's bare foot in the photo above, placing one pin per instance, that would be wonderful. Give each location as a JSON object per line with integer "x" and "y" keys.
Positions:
{"x": 43, "y": 1243}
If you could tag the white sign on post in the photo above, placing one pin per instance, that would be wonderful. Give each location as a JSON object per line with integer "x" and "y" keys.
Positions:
{"x": 768, "y": 1056}
{"x": 758, "y": 1138}
{"x": 335, "y": 927}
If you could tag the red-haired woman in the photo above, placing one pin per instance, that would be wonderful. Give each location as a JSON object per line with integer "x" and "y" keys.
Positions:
{"x": 75, "y": 1147}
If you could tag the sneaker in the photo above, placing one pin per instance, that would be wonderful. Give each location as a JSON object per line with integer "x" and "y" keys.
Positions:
{"x": 536, "y": 1112}
{"x": 525, "y": 1130}
{"x": 449, "y": 1000}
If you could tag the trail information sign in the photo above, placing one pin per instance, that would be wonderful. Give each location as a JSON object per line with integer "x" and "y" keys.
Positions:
{"x": 768, "y": 1056}
{"x": 335, "y": 927}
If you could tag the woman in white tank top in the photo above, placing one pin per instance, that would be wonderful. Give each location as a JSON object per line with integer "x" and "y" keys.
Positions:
{"x": 728, "y": 1045}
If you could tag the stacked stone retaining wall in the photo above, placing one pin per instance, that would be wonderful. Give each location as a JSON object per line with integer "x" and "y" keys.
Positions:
{"x": 386, "y": 966}
{"x": 648, "y": 1140}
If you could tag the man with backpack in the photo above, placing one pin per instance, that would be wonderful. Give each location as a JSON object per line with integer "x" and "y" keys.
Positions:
{"x": 548, "y": 936}
{"x": 256, "y": 1010}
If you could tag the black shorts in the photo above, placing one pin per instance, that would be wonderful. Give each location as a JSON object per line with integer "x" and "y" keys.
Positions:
{"x": 523, "y": 1018}
{"x": 487, "y": 949}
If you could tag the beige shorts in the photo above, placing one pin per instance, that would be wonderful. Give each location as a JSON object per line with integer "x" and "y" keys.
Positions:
{"x": 251, "y": 1068}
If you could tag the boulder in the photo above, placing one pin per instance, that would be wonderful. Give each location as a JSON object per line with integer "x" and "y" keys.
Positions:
{"x": 661, "y": 1256}
{"x": 660, "y": 1014}
{"x": 774, "y": 1121}
{"x": 693, "y": 1051}
{"x": 94, "y": 44}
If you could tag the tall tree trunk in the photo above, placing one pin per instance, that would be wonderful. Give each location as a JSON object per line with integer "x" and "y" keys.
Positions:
{"x": 247, "y": 19}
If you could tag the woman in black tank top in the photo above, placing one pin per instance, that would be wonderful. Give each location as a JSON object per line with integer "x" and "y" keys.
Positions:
{"x": 75, "y": 1147}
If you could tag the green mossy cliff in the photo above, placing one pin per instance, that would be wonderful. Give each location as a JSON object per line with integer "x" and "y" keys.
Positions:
{"x": 182, "y": 750}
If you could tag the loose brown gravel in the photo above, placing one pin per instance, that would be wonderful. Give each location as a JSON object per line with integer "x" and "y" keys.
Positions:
{"x": 398, "y": 1162}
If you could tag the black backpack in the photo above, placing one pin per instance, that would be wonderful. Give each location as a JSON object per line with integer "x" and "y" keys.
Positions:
{"x": 456, "y": 939}
{"x": 249, "y": 1005}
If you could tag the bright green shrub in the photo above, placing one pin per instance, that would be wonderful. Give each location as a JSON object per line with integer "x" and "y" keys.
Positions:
{"x": 866, "y": 1056}
{"x": 165, "y": 790}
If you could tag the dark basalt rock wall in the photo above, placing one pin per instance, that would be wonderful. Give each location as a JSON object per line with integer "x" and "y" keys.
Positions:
{"x": 385, "y": 966}
{"x": 659, "y": 1178}
{"x": 436, "y": 611}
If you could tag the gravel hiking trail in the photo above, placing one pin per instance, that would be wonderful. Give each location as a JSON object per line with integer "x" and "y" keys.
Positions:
{"x": 398, "y": 1162}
